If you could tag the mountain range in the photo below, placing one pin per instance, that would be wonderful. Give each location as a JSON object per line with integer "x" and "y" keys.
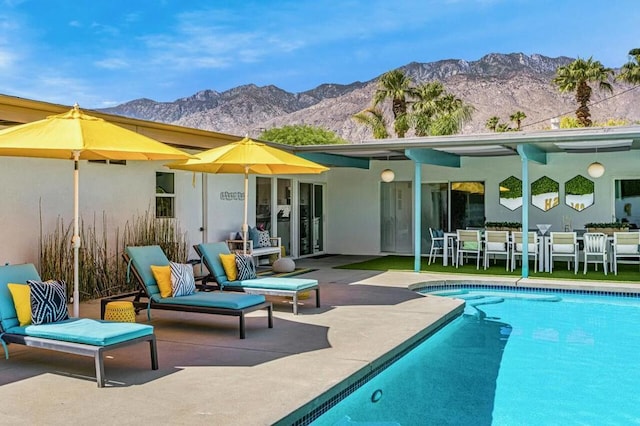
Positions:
{"x": 496, "y": 85}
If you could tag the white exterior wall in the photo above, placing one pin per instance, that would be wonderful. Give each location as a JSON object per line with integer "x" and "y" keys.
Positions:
{"x": 352, "y": 210}
{"x": 32, "y": 185}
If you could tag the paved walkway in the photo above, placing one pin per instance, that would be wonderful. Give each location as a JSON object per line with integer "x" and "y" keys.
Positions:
{"x": 209, "y": 376}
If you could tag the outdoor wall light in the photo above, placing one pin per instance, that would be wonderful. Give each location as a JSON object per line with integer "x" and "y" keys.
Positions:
{"x": 595, "y": 169}
{"x": 387, "y": 175}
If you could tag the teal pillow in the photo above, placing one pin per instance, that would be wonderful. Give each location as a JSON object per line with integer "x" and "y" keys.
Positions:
{"x": 254, "y": 235}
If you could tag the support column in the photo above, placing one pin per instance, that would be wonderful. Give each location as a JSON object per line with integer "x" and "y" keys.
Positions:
{"x": 417, "y": 215}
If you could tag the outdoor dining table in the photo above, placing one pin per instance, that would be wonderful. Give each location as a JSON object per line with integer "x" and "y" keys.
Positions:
{"x": 449, "y": 238}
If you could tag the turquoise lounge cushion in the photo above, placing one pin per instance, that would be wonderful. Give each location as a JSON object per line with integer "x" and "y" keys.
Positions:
{"x": 142, "y": 258}
{"x": 216, "y": 300}
{"x": 18, "y": 274}
{"x": 89, "y": 331}
{"x": 210, "y": 253}
{"x": 293, "y": 284}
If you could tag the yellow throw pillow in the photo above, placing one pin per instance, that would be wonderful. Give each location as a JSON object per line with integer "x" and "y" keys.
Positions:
{"x": 162, "y": 274}
{"x": 229, "y": 265}
{"x": 21, "y": 294}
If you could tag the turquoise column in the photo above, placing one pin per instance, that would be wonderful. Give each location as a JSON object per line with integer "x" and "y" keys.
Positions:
{"x": 527, "y": 153}
{"x": 417, "y": 215}
{"x": 525, "y": 213}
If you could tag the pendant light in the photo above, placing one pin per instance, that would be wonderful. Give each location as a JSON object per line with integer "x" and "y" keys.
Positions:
{"x": 595, "y": 169}
{"x": 387, "y": 175}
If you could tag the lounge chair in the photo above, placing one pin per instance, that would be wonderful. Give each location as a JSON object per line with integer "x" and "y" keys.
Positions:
{"x": 292, "y": 287}
{"x": 140, "y": 259}
{"x": 80, "y": 336}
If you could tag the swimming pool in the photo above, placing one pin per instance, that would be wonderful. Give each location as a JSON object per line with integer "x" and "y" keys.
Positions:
{"x": 513, "y": 358}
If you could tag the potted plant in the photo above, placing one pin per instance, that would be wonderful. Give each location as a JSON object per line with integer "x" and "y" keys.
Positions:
{"x": 503, "y": 226}
{"x": 607, "y": 227}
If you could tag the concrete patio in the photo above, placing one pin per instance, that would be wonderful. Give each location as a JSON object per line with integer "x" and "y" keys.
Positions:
{"x": 209, "y": 376}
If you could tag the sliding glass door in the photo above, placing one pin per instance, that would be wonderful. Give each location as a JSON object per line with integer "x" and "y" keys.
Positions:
{"x": 396, "y": 228}
{"x": 311, "y": 207}
{"x": 435, "y": 211}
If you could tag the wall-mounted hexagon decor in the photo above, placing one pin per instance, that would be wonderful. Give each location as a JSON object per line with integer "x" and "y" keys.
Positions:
{"x": 545, "y": 193}
{"x": 511, "y": 193}
{"x": 579, "y": 193}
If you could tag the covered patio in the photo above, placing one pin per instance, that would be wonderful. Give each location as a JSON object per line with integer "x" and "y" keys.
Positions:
{"x": 560, "y": 153}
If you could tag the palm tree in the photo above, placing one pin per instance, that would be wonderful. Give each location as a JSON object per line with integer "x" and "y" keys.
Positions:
{"x": 453, "y": 114}
{"x": 437, "y": 112}
{"x": 492, "y": 123}
{"x": 373, "y": 118}
{"x": 576, "y": 76}
{"x": 630, "y": 72}
{"x": 517, "y": 118}
{"x": 425, "y": 107}
{"x": 395, "y": 85}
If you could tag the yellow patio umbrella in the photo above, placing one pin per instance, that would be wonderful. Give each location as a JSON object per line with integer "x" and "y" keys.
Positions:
{"x": 76, "y": 136}
{"x": 248, "y": 157}
{"x": 471, "y": 187}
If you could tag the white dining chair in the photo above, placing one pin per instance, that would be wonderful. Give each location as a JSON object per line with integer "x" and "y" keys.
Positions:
{"x": 496, "y": 243}
{"x": 517, "y": 248}
{"x": 595, "y": 250}
{"x": 468, "y": 242}
{"x": 437, "y": 245}
{"x": 626, "y": 246}
{"x": 564, "y": 245}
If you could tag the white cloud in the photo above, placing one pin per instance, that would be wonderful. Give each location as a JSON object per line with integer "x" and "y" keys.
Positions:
{"x": 7, "y": 59}
{"x": 112, "y": 63}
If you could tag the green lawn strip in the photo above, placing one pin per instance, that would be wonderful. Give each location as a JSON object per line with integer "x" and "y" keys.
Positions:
{"x": 626, "y": 272}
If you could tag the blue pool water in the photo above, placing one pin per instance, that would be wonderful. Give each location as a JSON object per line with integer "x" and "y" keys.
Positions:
{"x": 512, "y": 359}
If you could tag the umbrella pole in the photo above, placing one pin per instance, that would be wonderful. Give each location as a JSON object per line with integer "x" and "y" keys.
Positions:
{"x": 75, "y": 240}
{"x": 245, "y": 226}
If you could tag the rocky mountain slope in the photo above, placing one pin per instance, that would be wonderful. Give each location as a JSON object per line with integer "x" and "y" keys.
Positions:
{"x": 496, "y": 84}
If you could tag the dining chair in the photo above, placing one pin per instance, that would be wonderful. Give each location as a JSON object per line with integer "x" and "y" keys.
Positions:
{"x": 496, "y": 243}
{"x": 437, "y": 245}
{"x": 517, "y": 248}
{"x": 625, "y": 246}
{"x": 564, "y": 245}
{"x": 595, "y": 247}
{"x": 468, "y": 242}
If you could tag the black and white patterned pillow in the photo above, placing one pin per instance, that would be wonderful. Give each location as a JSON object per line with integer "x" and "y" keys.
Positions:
{"x": 48, "y": 301}
{"x": 264, "y": 239}
{"x": 182, "y": 280}
{"x": 246, "y": 267}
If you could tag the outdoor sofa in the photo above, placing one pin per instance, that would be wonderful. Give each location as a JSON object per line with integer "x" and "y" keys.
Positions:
{"x": 210, "y": 255}
{"x": 140, "y": 259}
{"x": 80, "y": 336}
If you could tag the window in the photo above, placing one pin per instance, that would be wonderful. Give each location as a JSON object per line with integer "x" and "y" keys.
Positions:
{"x": 263, "y": 203}
{"x": 627, "y": 202}
{"x": 165, "y": 195}
{"x": 467, "y": 205}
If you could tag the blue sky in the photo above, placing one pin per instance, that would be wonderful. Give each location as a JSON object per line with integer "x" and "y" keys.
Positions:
{"x": 102, "y": 53}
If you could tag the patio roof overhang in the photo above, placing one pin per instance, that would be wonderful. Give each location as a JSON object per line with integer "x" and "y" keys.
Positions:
{"x": 15, "y": 110}
{"x": 582, "y": 140}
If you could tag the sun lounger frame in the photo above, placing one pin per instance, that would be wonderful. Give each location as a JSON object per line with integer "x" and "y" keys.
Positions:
{"x": 97, "y": 352}
{"x": 294, "y": 294}
{"x": 141, "y": 300}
